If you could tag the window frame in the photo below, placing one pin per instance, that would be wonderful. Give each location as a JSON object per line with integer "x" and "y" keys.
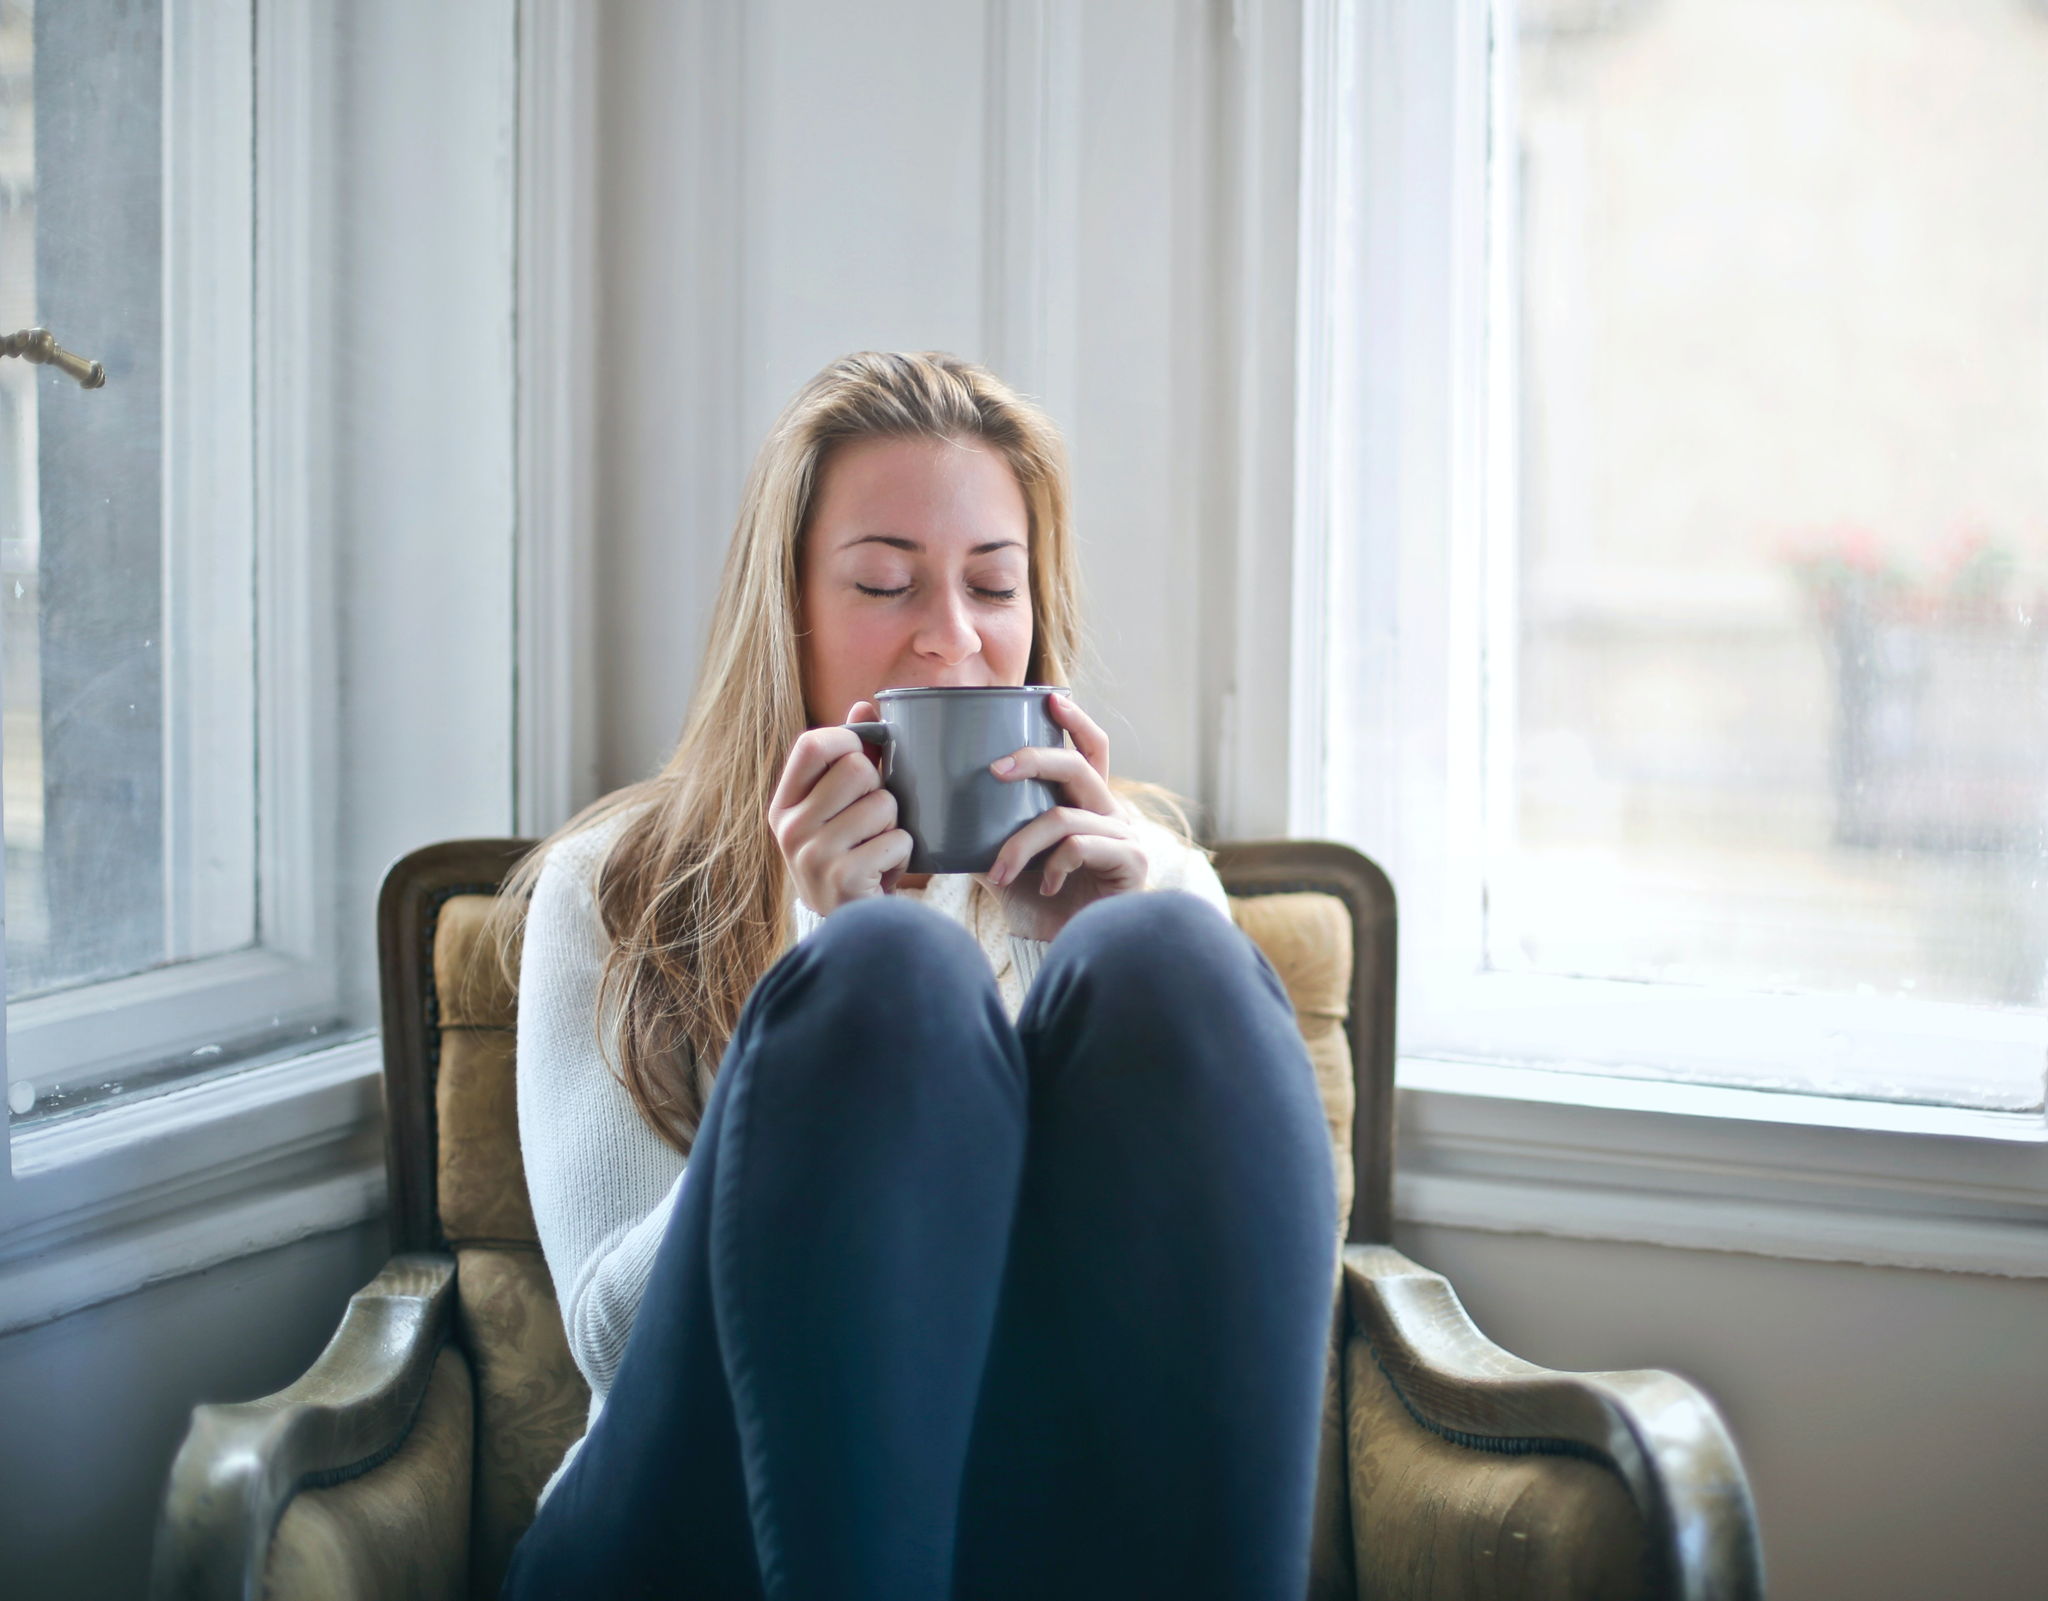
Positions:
{"x": 139, "y": 1188}
{"x": 240, "y": 561}
{"x": 1393, "y": 390}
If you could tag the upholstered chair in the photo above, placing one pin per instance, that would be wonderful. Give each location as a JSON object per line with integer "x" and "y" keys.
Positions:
{"x": 406, "y": 1461}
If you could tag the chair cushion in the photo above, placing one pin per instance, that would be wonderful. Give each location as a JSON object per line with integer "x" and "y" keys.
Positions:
{"x": 397, "y": 1533}
{"x": 1307, "y": 938}
{"x": 481, "y": 1181}
{"x": 1433, "y": 1520}
{"x": 471, "y": 989}
{"x": 531, "y": 1403}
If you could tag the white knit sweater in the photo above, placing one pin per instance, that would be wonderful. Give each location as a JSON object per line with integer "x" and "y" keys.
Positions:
{"x": 603, "y": 1184}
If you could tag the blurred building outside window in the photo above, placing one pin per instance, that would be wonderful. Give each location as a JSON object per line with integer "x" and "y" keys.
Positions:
{"x": 1778, "y": 698}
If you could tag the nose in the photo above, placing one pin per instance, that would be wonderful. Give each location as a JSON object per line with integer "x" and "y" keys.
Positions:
{"x": 946, "y": 631}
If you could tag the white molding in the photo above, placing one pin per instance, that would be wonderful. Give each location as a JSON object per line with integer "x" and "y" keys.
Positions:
{"x": 1032, "y": 198}
{"x": 555, "y": 742}
{"x": 110, "y": 1200}
{"x": 1786, "y": 1230}
{"x": 296, "y": 568}
{"x": 208, "y": 617}
{"x": 1261, "y": 744}
{"x": 1528, "y": 1151}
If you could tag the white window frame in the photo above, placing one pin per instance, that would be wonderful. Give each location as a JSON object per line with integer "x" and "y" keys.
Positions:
{"x": 1390, "y": 536}
{"x": 146, "y": 1188}
{"x": 235, "y": 396}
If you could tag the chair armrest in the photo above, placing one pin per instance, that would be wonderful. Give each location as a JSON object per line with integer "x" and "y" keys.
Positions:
{"x": 241, "y": 1463}
{"x": 1657, "y": 1432}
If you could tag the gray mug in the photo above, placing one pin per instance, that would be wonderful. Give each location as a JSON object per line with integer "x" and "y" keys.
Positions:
{"x": 937, "y": 745}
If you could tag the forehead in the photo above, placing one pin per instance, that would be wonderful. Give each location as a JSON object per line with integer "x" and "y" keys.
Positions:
{"x": 930, "y": 492}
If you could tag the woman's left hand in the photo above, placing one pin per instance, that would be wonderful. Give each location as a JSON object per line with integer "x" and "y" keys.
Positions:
{"x": 1093, "y": 850}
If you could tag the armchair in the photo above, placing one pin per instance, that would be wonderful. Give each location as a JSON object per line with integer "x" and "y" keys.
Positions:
{"x": 406, "y": 1461}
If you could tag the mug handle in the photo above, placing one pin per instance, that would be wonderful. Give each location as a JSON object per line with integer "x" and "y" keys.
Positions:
{"x": 875, "y": 734}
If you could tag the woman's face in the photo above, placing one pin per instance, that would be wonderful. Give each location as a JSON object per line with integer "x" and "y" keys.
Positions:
{"x": 914, "y": 572}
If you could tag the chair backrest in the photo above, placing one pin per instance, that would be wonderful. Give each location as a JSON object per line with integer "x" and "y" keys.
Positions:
{"x": 1322, "y": 913}
{"x": 1339, "y": 970}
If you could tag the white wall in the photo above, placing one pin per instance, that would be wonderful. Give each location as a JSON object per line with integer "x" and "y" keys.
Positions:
{"x": 794, "y": 180}
{"x": 865, "y": 190}
{"x": 1893, "y": 1422}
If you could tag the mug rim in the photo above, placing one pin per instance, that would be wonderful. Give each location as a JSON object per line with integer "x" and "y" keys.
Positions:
{"x": 908, "y": 691}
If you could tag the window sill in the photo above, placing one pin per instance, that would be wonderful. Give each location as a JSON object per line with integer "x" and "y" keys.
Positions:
{"x": 111, "y": 1200}
{"x": 1529, "y": 1151}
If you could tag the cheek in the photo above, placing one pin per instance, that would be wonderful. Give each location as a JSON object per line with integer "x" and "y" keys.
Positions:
{"x": 850, "y": 637}
{"x": 1010, "y": 643}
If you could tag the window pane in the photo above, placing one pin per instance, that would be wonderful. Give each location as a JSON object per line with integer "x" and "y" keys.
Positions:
{"x": 1780, "y": 717}
{"x": 84, "y": 692}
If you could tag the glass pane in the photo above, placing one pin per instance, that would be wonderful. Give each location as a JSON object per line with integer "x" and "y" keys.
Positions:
{"x": 81, "y": 210}
{"x": 1780, "y": 718}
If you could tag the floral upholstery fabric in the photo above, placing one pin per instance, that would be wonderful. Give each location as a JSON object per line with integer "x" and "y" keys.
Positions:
{"x": 1307, "y": 938}
{"x": 531, "y": 1402}
{"x": 397, "y": 1533}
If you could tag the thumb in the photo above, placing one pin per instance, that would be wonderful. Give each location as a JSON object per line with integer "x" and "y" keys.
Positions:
{"x": 865, "y": 711}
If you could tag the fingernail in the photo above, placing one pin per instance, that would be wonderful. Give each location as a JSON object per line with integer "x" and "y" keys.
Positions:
{"x": 1001, "y": 768}
{"x": 1000, "y": 873}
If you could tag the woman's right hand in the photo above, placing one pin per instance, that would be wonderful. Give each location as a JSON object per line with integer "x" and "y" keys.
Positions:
{"x": 834, "y": 822}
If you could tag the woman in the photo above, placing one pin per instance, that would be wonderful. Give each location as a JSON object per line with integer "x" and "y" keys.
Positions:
{"x": 996, "y": 1257}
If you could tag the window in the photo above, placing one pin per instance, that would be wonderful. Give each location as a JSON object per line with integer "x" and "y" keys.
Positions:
{"x": 1691, "y": 577}
{"x": 322, "y": 531}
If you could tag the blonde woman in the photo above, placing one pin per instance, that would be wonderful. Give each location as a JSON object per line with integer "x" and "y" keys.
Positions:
{"x": 995, "y": 1256}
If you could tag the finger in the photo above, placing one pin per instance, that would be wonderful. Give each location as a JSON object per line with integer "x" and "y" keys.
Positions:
{"x": 854, "y": 825}
{"x": 866, "y": 711}
{"x": 1048, "y": 828}
{"x": 850, "y": 776}
{"x": 1118, "y": 862}
{"x": 884, "y": 857}
{"x": 1086, "y": 733}
{"x": 815, "y": 750}
{"x": 1079, "y": 783}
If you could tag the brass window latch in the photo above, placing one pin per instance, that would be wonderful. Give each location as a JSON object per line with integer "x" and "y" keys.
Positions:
{"x": 40, "y": 346}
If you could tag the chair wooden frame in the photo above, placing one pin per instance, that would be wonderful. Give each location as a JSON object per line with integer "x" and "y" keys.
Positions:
{"x": 241, "y": 1464}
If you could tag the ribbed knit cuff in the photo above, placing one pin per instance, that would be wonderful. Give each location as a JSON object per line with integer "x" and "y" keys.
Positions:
{"x": 1026, "y": 954}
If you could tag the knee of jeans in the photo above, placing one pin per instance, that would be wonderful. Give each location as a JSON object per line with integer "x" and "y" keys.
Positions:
{"x": 1168, "y": 933}
{"x": 883, "y": 947}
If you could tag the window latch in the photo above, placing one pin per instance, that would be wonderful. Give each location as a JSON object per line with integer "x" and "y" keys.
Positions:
{"x": 40, "y": 346}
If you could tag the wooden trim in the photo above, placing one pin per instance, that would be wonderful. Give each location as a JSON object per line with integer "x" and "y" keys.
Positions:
{"x": 411, "y": 899}
{"x": 1273, "y": 867}
{"x": 1660, "y": 1435}
{"x": 241, "y": 1464}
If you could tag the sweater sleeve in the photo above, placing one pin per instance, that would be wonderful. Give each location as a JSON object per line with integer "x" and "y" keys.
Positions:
{"x": 602, "y": 1182}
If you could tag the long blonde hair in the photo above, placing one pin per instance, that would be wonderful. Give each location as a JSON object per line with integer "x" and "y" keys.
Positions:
{"x": 694, "y": 893}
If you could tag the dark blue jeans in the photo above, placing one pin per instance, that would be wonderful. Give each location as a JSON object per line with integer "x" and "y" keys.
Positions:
{"x": 955, "y": 1308}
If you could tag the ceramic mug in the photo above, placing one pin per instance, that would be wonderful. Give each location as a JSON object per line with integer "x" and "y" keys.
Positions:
{"x": 937, "y": 745}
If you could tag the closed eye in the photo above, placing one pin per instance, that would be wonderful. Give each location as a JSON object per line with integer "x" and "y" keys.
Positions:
{"x": 904, "y": 589}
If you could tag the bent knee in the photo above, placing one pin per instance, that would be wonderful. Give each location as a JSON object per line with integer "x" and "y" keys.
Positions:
{"x": 888, "y": 940}
{"x": 1167, "y": 933}
{"x": 1176, "y": 916}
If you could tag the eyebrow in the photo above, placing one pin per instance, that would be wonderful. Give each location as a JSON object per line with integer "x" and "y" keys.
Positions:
{"x": 897, "y": 541}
